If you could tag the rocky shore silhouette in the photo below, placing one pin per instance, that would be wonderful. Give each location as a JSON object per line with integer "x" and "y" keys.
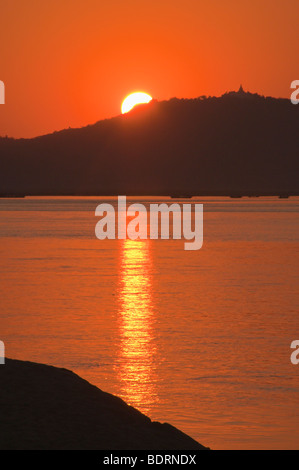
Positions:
{"x": 45, "y": 407}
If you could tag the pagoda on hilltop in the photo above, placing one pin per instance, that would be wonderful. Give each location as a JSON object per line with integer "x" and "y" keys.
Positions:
{"x": 241, "y": 94}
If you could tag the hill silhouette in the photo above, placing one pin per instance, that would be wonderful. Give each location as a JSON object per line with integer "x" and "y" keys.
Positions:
{"x": 238, "y": 144}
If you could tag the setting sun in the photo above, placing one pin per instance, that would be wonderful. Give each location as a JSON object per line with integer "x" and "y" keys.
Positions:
{"x": 134, "y": 98}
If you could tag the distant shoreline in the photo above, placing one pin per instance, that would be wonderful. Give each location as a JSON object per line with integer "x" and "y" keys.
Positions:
{"x": 232, "y": 195}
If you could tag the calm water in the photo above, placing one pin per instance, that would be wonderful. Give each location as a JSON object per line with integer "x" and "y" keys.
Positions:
{"x": 200, "y": 339}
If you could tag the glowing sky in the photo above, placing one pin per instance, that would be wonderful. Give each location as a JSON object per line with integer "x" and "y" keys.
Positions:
{"x": 72, "y": 62}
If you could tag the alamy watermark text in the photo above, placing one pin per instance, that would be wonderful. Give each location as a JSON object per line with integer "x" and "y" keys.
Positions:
{"x": 2, "y": 93}
{"x": 134, "y": 222}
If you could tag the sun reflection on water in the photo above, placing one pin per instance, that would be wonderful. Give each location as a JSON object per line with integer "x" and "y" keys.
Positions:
{"x": 136, "y": 365}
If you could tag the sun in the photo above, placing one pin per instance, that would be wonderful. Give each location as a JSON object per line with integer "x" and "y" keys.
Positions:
{"x": 134, "y": 98}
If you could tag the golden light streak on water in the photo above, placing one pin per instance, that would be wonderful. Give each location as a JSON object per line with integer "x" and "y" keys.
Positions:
{"x": 136, "y": 357}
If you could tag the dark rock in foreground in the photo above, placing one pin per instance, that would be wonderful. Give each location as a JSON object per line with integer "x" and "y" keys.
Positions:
{"x": 44, "y": 407}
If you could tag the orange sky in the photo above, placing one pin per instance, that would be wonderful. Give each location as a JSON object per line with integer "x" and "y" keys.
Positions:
{"x": 71, "y": 62}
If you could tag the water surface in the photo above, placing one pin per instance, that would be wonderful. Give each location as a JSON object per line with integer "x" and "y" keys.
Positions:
{"x": 200, "y": 339}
